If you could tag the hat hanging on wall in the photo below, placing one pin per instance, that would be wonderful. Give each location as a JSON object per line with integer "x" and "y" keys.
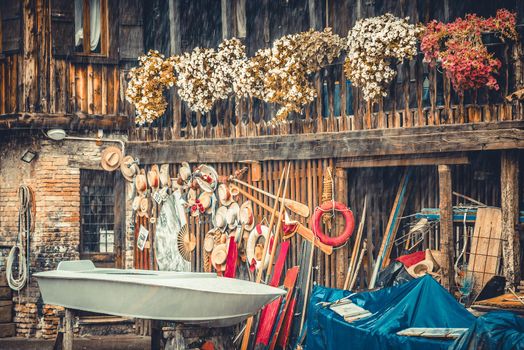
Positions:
{"x": 153, "y": 177}
{"x": 129, "y": 168}
{"x": 111, "y": 158}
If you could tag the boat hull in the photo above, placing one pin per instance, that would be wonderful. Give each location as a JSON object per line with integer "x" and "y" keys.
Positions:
{"x": 194, "y": 298}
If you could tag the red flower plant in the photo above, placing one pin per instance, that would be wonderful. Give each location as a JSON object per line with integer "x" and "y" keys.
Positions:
{"x": 459, "y": 48}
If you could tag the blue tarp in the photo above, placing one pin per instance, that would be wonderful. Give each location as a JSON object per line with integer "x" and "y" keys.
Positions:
{"x": 422, "y": 302}
{"x": 493, "y": 331}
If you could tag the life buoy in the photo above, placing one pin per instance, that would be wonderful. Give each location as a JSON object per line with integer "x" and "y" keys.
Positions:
{"x": 316, "y": 223}
{"x": 251, "y": 244}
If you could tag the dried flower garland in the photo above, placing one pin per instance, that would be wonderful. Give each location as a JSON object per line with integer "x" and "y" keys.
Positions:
{"x": 373, "y": 45}
{"x": 206, "y": 76}
{"x": 465, "y": 59}
{"x": 148, "y": 81}
{"x": 280, "y": 74}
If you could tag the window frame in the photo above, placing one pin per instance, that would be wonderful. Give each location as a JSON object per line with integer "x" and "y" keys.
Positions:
{"x": 86, "y": 27}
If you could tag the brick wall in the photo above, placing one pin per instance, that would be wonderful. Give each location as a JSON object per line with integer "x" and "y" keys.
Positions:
{"x": 55, "y": 179}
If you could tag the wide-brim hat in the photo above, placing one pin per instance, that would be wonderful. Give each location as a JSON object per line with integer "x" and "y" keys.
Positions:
{"x": 437, "y": 257}
{"x": 219, "y": 220}
{"x": 185, "y": 171}
{"x": 208, "y": 178}
{"x": 145, "y": 206}
{"x": 129, "y": 168}
{"x": 165, "y": 179}
{"x": 202, "y": 204}
{"x": 209, "y": 241}
{"x": 224, "y": 195}
{"x": 219, "y": 255}
{"x": 141, "y": 182}
{"x": 153, "y": 177}
{"x": 246, "y": 217}
{"x": 420, "y": 268}
{"x": 131, "y": 190}
{"x": 232, "y": 215}
{"x": 111, "y": 158}
{"x": 135, "y": 205}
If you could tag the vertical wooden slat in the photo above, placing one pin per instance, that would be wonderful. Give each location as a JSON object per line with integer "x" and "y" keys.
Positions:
{"x": 446, "y": 224}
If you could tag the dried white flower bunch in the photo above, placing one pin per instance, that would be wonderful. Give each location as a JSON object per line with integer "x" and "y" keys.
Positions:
{"x": 373, "y": 45}
{"x": 281, "y": 74}
{"x": 206, "y": 76}
{"x": 147, "y": 84}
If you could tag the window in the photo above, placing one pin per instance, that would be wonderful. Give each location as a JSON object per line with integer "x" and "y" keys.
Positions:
{"x": 97, "y": 210}
{"x": 91, "y": 34}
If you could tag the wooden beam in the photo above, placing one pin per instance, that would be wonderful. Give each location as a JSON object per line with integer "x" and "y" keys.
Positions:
{"x": 74, "y": 121}
{"x": 68, "y": 330}
{"x": 509, "y": 184}
{"x": 401, "y": 141}
{"x": 341, "y": 256}
{"x": 408, "y": 160}
{"x": 446, "y": 224}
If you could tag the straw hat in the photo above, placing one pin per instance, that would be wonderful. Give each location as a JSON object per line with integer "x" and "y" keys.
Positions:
{"x": 220, "y": 221}
{"x": 111, "y": 158}
{"x": 246, "y": 217}
{"x": 153, "y": 177}
{"x": 219, "y": 255}
{"x": 420, "y": 268}
{"x": 141, "y": 182}
{"x": 209, "y": 241}
{"x": 185, "y": 171}
{"x": 232, "y": 215}
{"x": 165, "y": 179}
{"x": 129, "y": 168}
{"x": 224, "y": 195}
{"x": 145, "y": 206}
{"x": 131, "y": 190}
{"x": 202, "y": 204}
{"x": 436, "y": 257}
{"x": 207, "y": 179}
{"x": 136, "y": 203}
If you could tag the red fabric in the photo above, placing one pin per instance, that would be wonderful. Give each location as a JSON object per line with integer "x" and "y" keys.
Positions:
{"x": 231, "y": 260}
{"x": 316, "y": 223}
{"x": 412, "y": 259}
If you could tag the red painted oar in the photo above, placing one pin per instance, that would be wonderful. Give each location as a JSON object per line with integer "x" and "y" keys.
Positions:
{"x": 291, "y": 278}
{"x": 265, "y": 328}
{"x": 231, "y": 260}
{"x": 283, "y": 337}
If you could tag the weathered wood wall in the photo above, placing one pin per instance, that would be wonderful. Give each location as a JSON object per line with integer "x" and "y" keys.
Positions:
{"x": 418, "y": 96}
{"x": 480, "y": 179}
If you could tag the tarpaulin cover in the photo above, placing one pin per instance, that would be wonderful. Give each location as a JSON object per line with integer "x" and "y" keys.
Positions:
{"x": 493, "y": 331}
{"x": 422, "y": 302}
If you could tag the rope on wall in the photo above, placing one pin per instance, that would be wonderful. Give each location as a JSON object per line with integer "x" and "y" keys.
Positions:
{"x": 25, "y": 198}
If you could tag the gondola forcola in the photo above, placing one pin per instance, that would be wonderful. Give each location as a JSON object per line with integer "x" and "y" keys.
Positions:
{"x": 194, "y": 298}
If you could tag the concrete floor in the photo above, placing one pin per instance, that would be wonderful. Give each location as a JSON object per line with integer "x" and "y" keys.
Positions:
{"x": 116, "y": 342}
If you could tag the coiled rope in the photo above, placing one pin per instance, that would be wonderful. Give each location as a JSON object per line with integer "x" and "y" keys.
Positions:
{"x": 24, "y": 229}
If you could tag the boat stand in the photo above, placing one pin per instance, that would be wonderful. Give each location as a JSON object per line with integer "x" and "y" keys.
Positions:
{"x": 177, "y": 336}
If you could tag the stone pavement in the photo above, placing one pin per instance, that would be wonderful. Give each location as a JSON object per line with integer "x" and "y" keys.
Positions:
{"x": 116, "y": 342}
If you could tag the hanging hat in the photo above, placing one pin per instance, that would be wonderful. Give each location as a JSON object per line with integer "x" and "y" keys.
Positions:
{"x": 131, "y": 190}
{"x": 420, "y": 268}
{"x": 232, "y": 215}
{"x": 224, "y": 195}
{"x": 207, "y": 178}
{"x": 165, "y": 179}
{"x": 141, "y": 182}
{"x": 129, "y": 168}
{"x": 436, "y": 257}
{"x": 218, "y": 256}
{"x": 136, "y": 203}
{"x": 202, "y": 204}
{"x": 209, "y": 241}
{"x": 246, "y": 215}
{"x": 111, "y": 158}
{"x": 185, "y": 171}
{"x": 220, "y": 221}
{"x": 145, "y": 206}
{"x": 153, "y": 177}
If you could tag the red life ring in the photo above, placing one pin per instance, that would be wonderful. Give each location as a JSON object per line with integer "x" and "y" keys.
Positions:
{"x": 316, "y": 223}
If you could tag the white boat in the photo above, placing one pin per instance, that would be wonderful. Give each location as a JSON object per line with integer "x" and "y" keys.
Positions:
{"x": 188, "y": 297}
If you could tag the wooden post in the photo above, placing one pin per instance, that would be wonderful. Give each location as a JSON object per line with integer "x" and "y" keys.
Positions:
{"x": 446, "y": 224}
{"x": 68, "y": 330}
{"x": 156, "y": 334}
{"x": 341, "y": 195}
{"x": 509, "y": 184}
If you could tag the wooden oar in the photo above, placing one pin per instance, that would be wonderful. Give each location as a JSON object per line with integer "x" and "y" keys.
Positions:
{"x": 301, "y": 229}
{"x": 249, "y": 323}
{"x": 296, "y": 207}
{"x": 356, "y": 247}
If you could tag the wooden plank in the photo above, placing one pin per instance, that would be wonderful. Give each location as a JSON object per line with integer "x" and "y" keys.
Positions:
{"x": 389, "y": 161}
{"x": 68, "y": 330}
{"x": 509, "y": 183}
{"x": 430, "y": 139}
{"x": 5, "y": 293}
{"x": 486, "y": 244}
{"x": 69, "y": 121}
{"x": 446, "y": 224}
{"x": 6, "y": 311}
{"x": 341, "y": 190}
{"x": 7, "y": 330}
